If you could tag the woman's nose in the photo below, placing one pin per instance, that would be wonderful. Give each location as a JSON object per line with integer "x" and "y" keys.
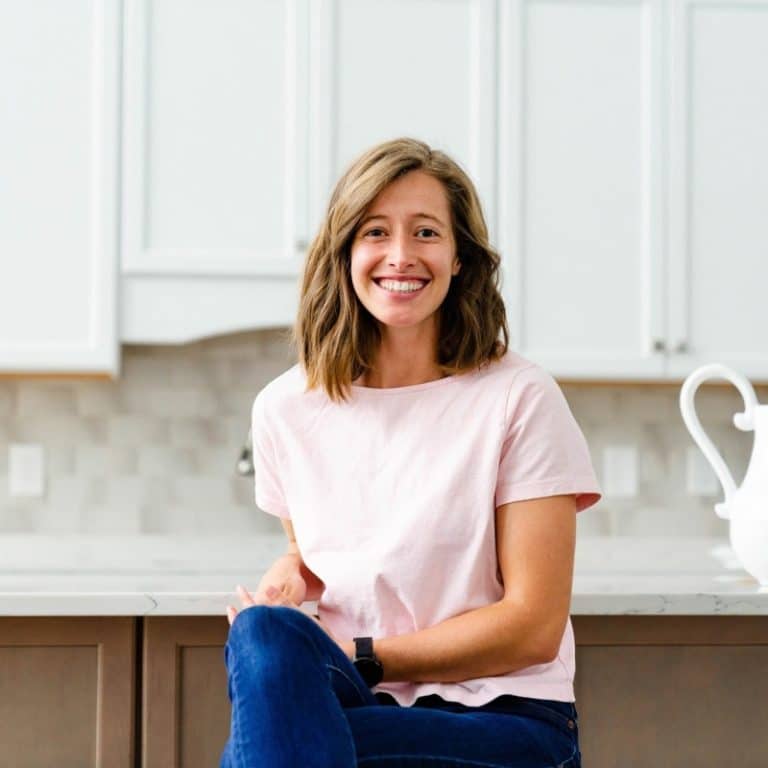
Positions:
{"x": 399, "y": 252}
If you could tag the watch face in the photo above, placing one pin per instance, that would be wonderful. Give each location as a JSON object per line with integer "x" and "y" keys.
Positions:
{"x": 370, "y": 670}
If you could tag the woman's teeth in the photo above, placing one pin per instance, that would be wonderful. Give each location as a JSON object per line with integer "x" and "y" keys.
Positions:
{"x": 401, "y": 286}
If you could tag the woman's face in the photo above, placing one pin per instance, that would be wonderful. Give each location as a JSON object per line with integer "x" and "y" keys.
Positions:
{"x": 404, "y": 253}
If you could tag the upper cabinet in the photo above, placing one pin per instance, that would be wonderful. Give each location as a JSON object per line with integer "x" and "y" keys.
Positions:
{"x": 618, "y": 149}
{"x": 634, "y": 176}
{"x": 581, "y": 187}
{"x": 718, "y": 310}
{"x": 59, "y": 128}
{"x": 214, "y": 166}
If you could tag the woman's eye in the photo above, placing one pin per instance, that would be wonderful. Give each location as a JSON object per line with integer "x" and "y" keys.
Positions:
{"x": 378, "y": 231}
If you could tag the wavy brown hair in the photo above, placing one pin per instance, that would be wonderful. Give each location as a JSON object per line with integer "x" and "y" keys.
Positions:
{"x": 335, "y": 336}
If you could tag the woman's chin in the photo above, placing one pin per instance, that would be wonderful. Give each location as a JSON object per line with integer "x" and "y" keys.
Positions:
{"x": 402, "y": 321}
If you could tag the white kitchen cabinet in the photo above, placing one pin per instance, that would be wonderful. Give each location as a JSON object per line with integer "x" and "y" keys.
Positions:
{"x": 617, "y": 148}
{"x": 59, "y": 127}
{"x": 634, "y": 175}
{"x": 214, "y": 166}
{"x": 581, "y": 185}
{"x": 718, "y": 310}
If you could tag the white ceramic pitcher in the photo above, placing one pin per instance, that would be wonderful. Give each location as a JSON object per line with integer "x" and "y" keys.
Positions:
{"x": 746, "y": 507}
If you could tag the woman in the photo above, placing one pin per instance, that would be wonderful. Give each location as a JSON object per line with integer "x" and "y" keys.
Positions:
{"x": 428, "y": 480}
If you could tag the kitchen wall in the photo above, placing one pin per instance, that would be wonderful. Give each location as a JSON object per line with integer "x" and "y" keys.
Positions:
{"x": 155, "y": 452}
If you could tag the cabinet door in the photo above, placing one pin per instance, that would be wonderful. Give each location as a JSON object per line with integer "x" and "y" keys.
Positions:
{"x": 67, "y": 692}
{"x": 389, "y": 68}
{"x": 214, "y": 152}
{"x": 580, "y": 190}
{"x": 59, "y": 84}
{"x": 185, "y": 718}
{"x": 718, "y": 225}
{"x": 676, "y": 691}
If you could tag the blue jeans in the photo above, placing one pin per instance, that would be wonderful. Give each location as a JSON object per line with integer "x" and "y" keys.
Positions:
{"x": 299, "y": 702}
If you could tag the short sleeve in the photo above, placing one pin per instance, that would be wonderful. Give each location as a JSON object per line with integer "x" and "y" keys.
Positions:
{"x": 544, "y": 452}
{"x": 268, "y": 491}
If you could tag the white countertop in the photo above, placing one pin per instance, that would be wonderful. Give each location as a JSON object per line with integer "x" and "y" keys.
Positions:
{"x": 175, "y": 575}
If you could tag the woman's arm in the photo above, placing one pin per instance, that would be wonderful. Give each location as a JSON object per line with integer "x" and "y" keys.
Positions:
{"x": 288, "y": 581}
{"x": 315, "y": 587}
{"x": 535, "y": 542}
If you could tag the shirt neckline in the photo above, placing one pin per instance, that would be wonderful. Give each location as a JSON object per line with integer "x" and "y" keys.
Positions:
{"x": 374, "y": 391}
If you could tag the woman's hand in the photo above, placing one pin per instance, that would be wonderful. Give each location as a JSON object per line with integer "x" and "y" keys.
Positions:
{"x": 270, "y": 595}
{"x": 285, "y": 576}
{"x": 273, "y": 596}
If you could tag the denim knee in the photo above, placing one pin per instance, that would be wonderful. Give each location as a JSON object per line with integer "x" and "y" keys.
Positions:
{"x": 265, "y": 623}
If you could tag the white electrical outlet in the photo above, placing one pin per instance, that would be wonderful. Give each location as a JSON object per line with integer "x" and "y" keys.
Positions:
{"x": 700, "y": 478}
{"x": 26, "y": 469}
{"x": 620, "y": 471}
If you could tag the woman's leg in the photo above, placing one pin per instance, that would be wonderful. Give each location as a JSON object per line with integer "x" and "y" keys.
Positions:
{"x": 289, "y": 684}
{"x": 297, "y": 700}
{"x": 447, "y": 735}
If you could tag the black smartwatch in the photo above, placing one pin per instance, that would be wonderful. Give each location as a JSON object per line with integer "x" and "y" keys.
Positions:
{"x": 366, "y": 662}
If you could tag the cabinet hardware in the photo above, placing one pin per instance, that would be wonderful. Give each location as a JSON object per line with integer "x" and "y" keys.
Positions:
{"x": 659, "y": 345}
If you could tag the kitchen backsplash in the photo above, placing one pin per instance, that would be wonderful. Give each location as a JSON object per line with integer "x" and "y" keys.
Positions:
{"x": 155, "y": 451}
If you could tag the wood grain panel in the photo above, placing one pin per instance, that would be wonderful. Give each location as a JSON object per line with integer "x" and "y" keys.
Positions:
{"x": 67, "y": 692}
{"x": 676, "y": 691}
{"x": 186, "y": 710}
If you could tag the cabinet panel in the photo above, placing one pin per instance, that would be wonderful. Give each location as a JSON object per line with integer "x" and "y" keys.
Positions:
{"x": 687, "y": 690}
{"x": 210, "y": 137}
{"x": 719, "y": 246}
{"x": 182, "y": 308}
{"x": 390, "y": 68}
{"x": 68, "y": 692}
{"x": 59, "y": 81}
{"x": 53, "y": 689}
{"x": 580, "y": 192}
{"x": 186, "y": 709}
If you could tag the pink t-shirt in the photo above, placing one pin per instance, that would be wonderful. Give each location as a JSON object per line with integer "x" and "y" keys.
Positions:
{"x": 392, "y": 497}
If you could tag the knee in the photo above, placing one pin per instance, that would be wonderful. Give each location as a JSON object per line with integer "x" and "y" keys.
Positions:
{"x": 265, "y": 624}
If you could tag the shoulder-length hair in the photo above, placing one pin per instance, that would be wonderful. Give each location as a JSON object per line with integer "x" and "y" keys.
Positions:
{"x": 335, "y": 336}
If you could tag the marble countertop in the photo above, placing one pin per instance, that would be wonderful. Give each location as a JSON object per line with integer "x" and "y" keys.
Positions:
{"x": 175, "y": 575}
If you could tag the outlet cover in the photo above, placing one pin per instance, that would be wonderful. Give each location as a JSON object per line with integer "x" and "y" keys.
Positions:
{"x": 26, "y": 469}
{"x": 620, "y": 471}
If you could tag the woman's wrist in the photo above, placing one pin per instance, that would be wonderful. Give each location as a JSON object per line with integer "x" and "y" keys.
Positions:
{"x": 348, "y": 646}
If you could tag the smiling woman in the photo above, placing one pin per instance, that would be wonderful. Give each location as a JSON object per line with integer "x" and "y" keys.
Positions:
{"x": 429, "y": 480}
{"x": 401, "y": 211}
{"x": 403, "y": 258}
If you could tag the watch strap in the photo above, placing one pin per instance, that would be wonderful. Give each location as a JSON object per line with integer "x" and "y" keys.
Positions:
{"x": 364, "y": 648}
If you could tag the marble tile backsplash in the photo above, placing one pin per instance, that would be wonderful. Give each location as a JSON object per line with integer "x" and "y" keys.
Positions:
{"x": 155, "y": 451}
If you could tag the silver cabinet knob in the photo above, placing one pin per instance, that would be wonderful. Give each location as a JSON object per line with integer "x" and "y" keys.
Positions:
{"x": 681, "y": 347}
{"x": 659, "y": 345}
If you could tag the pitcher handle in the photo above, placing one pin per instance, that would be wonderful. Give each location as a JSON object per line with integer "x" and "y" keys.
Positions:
{"x": 744, "y": 421}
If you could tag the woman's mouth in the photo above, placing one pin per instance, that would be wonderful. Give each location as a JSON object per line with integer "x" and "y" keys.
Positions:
{"x": 401, "y": 287}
